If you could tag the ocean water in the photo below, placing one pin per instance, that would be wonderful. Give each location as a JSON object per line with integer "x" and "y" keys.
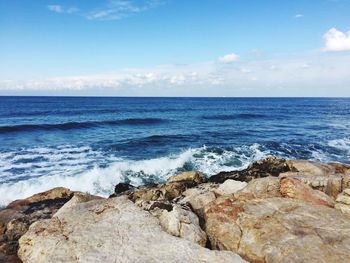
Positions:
{"x": 91, "y": 144}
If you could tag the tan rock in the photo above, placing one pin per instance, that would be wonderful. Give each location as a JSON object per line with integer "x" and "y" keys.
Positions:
{"x": 278, "y": 230}
{"x": 230, "y": 187}
{"x": 292, "y": 188}
{"x": 160, "y": 192}
{"x": 342, "y": 198}
{"x": 329, "y": 178}
{"x": 111, "y": 230}
{"x": 309, "y": 167}
{"x": 343, "y": 202}
{"x": 18, "y": 215}
{"x": 261, "y": 188}
{"x": 199, "y": 197}
{"x": 182, "y": 223}
{"x": 193, "y": 176}
{"x": 53, "y": 194}
{"x": 347, "y": 191}
{"x": 345, "y": 209}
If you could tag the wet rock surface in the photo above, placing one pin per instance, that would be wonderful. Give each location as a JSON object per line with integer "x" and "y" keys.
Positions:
{"x": 270, "y": 166}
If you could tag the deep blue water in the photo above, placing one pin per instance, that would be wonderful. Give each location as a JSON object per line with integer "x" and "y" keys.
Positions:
{"x": 90, "y": 144}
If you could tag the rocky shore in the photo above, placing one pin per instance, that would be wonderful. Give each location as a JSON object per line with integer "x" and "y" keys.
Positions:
{"x": 274, "y": 211}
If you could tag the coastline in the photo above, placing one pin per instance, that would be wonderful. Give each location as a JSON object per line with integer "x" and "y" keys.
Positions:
{"x": 275, "y": 210}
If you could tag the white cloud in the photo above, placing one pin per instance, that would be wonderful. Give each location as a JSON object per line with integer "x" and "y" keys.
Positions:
{"x": 336, "y": 40}
{"x": 55, "y": 8}
{"x": 325, "y": 75}
{"x": 229, "y": 58}
{"x": 61, "y": 9}
{"x": 118, "y": 9}
{"x": 298, "y": 16}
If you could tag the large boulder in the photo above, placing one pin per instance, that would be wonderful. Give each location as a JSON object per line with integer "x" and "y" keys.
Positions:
{"x": 270, "y": 166}
{"x": 329, "y": 178}
{"x": 192, "y": 177}
{"x": 111, "y": 230}
{"x": 181, "y": 222}
{"x": 230, "y": 187}
{"x": 16, "y": 218}
{"x": 260, "y": 188}
{"x": 172, "y": 189}
{"x": 278, "y": 230}
{"x": 293, "y": 188}
{"x": 199, "y": 197}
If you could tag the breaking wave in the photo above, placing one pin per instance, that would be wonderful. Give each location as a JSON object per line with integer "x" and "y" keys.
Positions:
{"x": 83, "y": 169}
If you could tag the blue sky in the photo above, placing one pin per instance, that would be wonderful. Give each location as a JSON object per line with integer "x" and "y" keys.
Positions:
{"x": 175, "y": 47}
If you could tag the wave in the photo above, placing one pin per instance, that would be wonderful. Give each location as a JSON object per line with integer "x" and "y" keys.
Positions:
{"x": 102, "y": 179}
{"x": 80, "y": 125}
{"x": 233, "y": 116}
{"x": 340, "y": 144}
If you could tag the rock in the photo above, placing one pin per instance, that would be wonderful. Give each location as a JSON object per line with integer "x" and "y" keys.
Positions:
{"x": 177, "y": 220}
{"x": 230, "y": 187}
{"x": 261, "y": 188}
{"x": 270, "y": 166}
{"x": 343, "y": 201}
{"x": 343, "y": 198}
{"x": 161, "y": 192}
{"x": 194, "y": 176}
{"x": 182, "y": 223}
{"x": 347, "y": 191}
{"x": 199, "y": 197}
{"x": 166, "y": 192}
{"x": 278, "y": 230}
{"x": 121, "y": 188}
{"x": 52, "y": 194}
{"x": 331, "y": 185}
{"x": 317, "y": 169}
{"x": 292, "y": 188}
{"x": 110, "y": 230}
{"x": 16, "y": 218}
{"x": 345, "y": 209}
{"x": 329, "y": 178}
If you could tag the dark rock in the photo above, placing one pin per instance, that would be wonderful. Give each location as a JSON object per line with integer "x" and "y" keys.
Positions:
{"x": 270, "y": 166}
{"x": 121, "y": 188}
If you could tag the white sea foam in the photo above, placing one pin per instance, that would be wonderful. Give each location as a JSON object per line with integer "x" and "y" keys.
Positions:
{"x": 341, "y": 144}
{"x": 101, "y": 181}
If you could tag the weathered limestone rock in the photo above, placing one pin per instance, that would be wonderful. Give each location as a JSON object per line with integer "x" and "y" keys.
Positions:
{"x": 174, "y": 187}
{"x": 292, "y": 188}
{"x": 193, "y": 176}
{"x": 317, "y": 169}
{"x": 329, "y": 178}
{"x": 261, "y": 188}
{"x": 110, "y": 230}
{"x": 343, "y": 202}
{"x": 161, "y": 192}
{"x": 16, "y": 218}
{"x": 199, "y": 197}
{"x": 278, "y": 230}
{"x": 270, "y": 166}
{"x": 182, "y": 223}
{"x": 230, "y": 187}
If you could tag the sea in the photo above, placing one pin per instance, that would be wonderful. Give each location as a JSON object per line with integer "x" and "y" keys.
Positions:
{"x": 90, "y": 144}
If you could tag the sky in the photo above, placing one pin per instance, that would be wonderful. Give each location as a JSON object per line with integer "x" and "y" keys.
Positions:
{"x": 175, "y": 47}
